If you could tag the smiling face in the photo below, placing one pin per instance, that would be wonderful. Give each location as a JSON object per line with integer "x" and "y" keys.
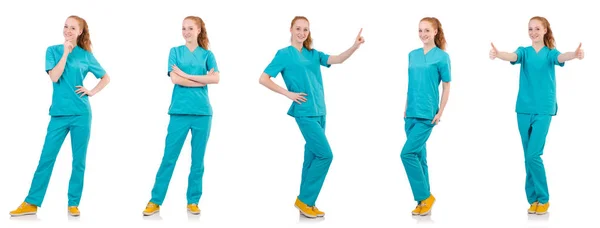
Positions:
{"x": 300, "y": 30}
{"x": 427, "y": 32}
{"x": 72, "y": 29}
{"x": 537, "y": 31}
{"x": 190, "y": 31}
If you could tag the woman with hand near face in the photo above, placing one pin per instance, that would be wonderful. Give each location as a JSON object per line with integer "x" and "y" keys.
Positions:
{"x": 536, "y": 103}
{"x": 427, "y": 67}
{"x": 191, "y": 68}
{"x": 67, "y": 65}
{"x": 300, "y": 67}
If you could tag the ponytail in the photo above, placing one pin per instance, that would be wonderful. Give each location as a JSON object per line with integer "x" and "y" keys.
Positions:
{"x": 549, "y": 37}
{"x": 202, "y": 37}
{"x": 83, "y": 40}
{"x": 439, "y": 39}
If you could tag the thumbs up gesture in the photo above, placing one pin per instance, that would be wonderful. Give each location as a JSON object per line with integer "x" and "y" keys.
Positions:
{"x": 579, "y": 52}
{"x": 493, "y": 52}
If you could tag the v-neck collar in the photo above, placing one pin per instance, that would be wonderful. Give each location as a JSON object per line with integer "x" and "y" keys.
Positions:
{"x": 430, "y": 50}
{"x": 191, "y": 51}
{"x": 298, "y": 51}
{"x": 541, "y": 49}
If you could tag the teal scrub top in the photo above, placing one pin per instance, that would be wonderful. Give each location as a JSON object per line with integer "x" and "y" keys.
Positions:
{"x": 425, "y": 71}
{"x": 191, "y": 100}
{"x": 537, "y": 81}
{"x": 301, "y": 72}
{"x": 65, "y": 101}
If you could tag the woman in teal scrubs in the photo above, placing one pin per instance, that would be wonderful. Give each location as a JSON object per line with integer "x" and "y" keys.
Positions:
{"x": 536, "y": 103}
{"x": 191, "y": 68}
{"x": 427, "y": 67}
{"x": 299, "y": 64}
{"x": 67, "y": 65}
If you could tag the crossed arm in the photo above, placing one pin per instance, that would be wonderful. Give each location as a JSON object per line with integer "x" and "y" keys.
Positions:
{"x": 180, "y": 80}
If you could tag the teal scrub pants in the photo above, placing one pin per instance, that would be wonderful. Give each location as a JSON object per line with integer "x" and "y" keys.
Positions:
{"x": 317, "y": 158}
{"x": 533, "y": 130}
{"x": 57, "y": 131}
{"x": 414, "y": 156}
{"x": 179, "y": 126}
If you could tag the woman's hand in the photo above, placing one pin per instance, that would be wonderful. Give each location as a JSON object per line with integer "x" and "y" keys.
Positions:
{"x": 296, "y": 97}
{"x": 83, "y": 91}
{"x": 436, "y": 119}
{"x": 579, "y": 52}
{"x": 179, "y": 71}
{"x": 493, "y": 52}
{"x": 359, "y": 39}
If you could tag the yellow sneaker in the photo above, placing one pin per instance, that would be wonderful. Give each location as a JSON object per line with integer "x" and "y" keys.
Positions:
{"x": 151, "y": 208}
{"x": 193, "y": 208}
{"x": 24, "y": 209}
{"x": 318, "y": 212}
{"x": 417, "y": 210}
{"x": 533, "y": 208}
{"x": 73, "y": 211}
{"x": 542, "y": 208}
{"x": 426, "y": 205}
{"x": 305, "y": 209}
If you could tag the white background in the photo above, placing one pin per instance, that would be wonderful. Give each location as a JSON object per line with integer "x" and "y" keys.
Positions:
{"x": 255, "y": 152}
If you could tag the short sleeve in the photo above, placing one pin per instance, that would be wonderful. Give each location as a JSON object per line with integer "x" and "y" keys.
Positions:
{"x": 277, "y": 64}
{"x": 520, "y": 52}
{"x": 172, "y": 60}
{"x": 51, "y": 60}
{"x": 444, "y": 69}
{"x": 211, "y": 62}
{"x": 94, "y": 66}
{"x": 323, "y": 58}
{"x": 553, "y": 57}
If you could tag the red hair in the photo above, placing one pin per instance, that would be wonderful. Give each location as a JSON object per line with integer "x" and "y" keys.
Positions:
{"x": 83, "y": 40}
{"x": 439, "y": 39}
{"x": 549, "y": 37}
{"x": 202, "y": 37}
{"x": 308, "y": 42}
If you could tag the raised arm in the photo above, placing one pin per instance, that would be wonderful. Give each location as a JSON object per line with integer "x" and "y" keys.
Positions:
{"x": 57, "y": 70}
{"x": 338, "y": 59}
{"x": 506, "y": 56}
{"x": 568, "y": 56}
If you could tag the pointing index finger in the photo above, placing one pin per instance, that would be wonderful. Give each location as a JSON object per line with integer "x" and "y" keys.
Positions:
{"x": 360, "y": 32}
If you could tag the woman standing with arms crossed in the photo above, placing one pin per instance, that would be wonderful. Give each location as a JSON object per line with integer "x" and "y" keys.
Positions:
{"x": 536, "y": 103}
{"x": 191, "y": 68}
{"x": 427, "y": 66}
{"x": 67, "y": 65}
{"x": 300, "y": 66}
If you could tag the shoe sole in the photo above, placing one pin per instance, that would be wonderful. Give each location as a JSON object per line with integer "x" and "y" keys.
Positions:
{"x": 319, "y": 215}
{"x": 23, "y": 214}
{"x": 194, "y": 213}
{"x": 306, "y": 215}
{"x": 540, "y": 213}
{"x": 151, "y": 213}
{"x": 74, "y": 215}
{"x": 429, "y": 211}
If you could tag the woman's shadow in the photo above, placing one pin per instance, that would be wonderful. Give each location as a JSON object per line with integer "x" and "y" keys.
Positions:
{"x": 26, "y": 218}
{"x": 304, "y": 219}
